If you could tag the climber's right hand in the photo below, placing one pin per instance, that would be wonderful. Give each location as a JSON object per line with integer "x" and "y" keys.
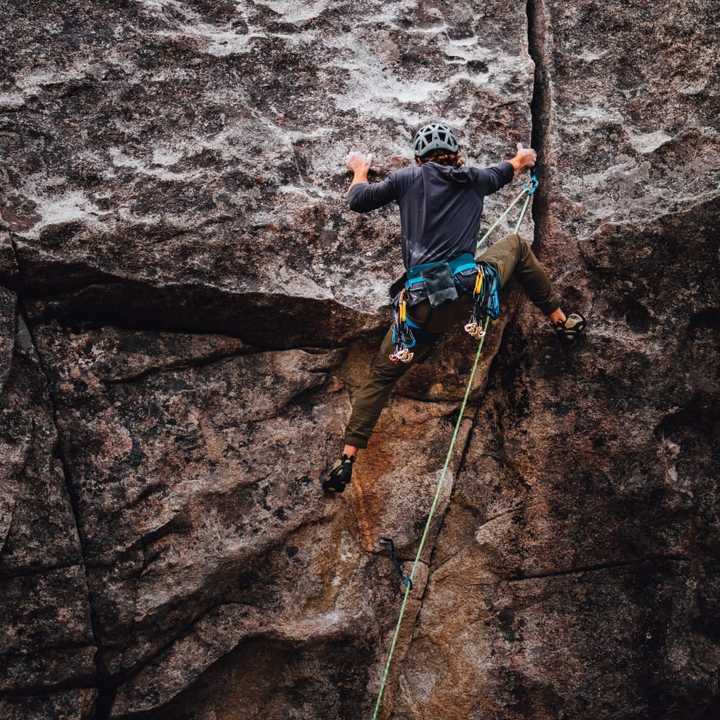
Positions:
{"x": 524, "y": 158}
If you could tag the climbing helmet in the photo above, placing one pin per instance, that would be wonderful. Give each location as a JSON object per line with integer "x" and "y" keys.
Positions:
{"x": 434, "y": 136}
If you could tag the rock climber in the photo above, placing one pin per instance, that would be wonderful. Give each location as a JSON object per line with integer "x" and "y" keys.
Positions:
{"x": 441, "y": 203}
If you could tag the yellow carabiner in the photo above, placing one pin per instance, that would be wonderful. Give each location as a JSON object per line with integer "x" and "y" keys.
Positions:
{"x": 403, "y": 311}
{"x": 478, "y": 282}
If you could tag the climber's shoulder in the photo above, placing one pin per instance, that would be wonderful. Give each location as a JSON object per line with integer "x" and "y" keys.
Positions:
{"x": 404, "y": 177}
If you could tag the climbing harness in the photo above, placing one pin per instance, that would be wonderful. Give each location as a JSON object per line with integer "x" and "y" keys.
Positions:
{"x": 437, "y": 282}
{"x": 434, "y": 282}
{"x": 528, "y": 190}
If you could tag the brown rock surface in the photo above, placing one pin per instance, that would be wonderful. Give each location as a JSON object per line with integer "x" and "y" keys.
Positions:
{"x": 577, "y": 572}
{"x": 187, "y": 306}
{"x": 46, "y": 636}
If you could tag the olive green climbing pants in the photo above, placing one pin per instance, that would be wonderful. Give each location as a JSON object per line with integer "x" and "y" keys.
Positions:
{"x": 511, "y": 255}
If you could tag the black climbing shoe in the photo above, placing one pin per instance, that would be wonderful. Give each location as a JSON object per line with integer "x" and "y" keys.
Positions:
{"x": 339, "y": 476}
{"x": 572, "y": 329}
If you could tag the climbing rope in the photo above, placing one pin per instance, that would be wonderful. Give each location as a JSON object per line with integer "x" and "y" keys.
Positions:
{"x": 527, "y": 192}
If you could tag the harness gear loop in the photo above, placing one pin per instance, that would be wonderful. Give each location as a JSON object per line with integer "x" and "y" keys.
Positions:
{"x": 402, "y": 336}
{"x": 528, "y": 190}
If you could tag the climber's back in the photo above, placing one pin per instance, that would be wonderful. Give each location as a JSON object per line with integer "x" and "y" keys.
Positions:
{"x": 440, "y": 200}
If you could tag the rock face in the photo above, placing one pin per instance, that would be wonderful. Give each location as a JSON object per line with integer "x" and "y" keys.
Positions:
{"x": 187, "y": 306}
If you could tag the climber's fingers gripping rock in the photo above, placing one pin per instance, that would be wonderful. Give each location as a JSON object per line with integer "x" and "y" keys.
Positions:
{"x": 357, "y": 162}
{"x": 525, "y": 158}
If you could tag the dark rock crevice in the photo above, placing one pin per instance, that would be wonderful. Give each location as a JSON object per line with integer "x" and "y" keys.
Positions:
{"x": 264, "y": 320}
{"x": 104, "y": 687}
{"x": 76, "y": 294}
{"x": 540, "y": 117}
{"x": 600, "y": 567}
{"x": 540, "y": 110}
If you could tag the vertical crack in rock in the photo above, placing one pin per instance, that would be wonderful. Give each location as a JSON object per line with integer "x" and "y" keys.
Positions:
{"x": 540, "y": 118}
{"x": 540, "y": 113}
{"x": 412, "y": 617}
{"x": 105, "y": 688}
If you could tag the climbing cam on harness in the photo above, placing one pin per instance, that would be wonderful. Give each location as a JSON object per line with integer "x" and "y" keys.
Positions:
{"x": 486, "y": 300}
{"x": 403, "y": 338}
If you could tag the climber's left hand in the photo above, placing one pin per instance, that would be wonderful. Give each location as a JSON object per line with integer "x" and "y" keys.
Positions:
{"x": 358, "y": 163}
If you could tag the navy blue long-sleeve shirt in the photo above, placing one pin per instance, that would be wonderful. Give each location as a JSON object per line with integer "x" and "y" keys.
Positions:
{"x": 440, "y": 206}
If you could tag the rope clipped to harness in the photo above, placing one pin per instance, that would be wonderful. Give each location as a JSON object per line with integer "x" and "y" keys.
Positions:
{"x": 528, "y": 190}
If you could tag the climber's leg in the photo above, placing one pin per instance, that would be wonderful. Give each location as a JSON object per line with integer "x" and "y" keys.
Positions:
{"x": 511, "y": 255}
{"x": 372, "y": 397}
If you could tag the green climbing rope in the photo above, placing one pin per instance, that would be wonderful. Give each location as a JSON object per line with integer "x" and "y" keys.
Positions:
{"x": 527, "y": 190}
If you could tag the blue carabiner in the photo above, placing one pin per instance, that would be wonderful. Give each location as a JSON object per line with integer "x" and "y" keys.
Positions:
{"x": 532, "y": 186}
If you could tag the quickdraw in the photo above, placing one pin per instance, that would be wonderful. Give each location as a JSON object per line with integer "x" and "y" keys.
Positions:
{"x": 388, "y": 544}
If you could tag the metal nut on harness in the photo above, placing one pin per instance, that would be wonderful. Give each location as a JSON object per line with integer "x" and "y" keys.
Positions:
{"x": 475, "y": 330}
{"x": 402, "y": 355}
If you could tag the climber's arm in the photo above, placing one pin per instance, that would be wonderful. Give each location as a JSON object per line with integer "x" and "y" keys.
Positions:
{"x": 491, "y": 179}
{"x": 365, "y": 196}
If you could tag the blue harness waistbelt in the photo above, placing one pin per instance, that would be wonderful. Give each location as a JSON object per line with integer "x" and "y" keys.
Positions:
{"x": 436, "y": 282}
{"x": 457, "y": 265}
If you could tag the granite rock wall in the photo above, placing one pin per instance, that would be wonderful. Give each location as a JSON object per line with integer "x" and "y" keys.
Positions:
{"x": 187, "y": 306}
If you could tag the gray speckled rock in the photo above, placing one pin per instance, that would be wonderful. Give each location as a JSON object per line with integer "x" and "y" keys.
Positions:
{"x": 202, "y": 306}
{"x": 209, "y": 174}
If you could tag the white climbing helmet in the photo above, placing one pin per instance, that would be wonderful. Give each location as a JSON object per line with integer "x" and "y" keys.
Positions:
{"x": 434, "y": 136}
